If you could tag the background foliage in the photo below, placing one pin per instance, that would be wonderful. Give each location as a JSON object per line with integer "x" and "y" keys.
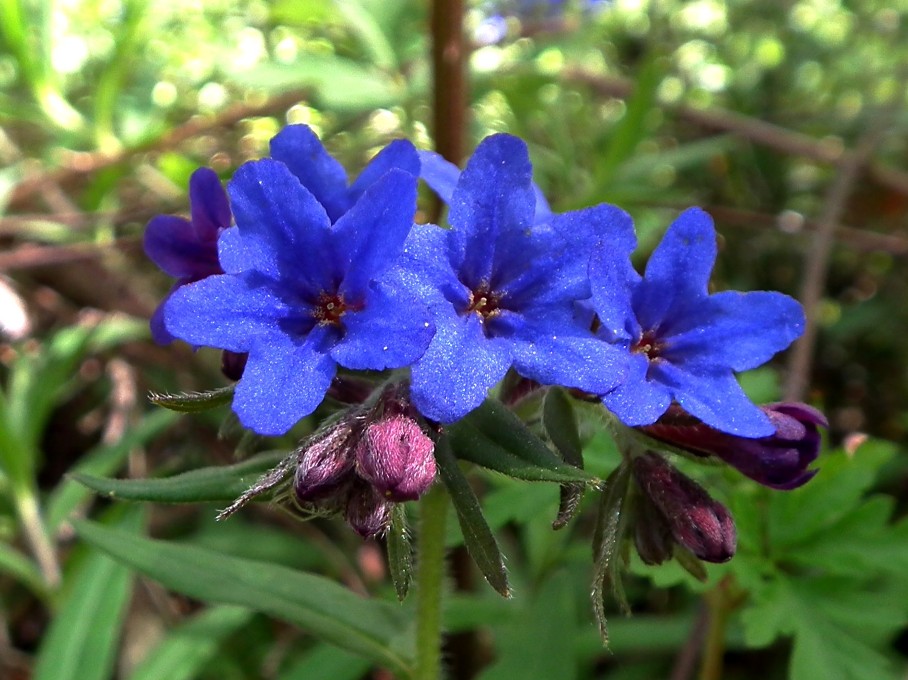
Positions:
{"x": 786, "y": 120}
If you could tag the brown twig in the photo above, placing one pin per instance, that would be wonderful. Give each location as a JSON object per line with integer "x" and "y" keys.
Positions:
{"x": 79, "y": 165}
{"x": 757, "y": 131}
{"x": 817, "y": 261}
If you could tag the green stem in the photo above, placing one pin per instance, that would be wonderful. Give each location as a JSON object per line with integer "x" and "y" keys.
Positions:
{"x": 720, "y": 604}
{"x": 433, "y": 513}
{"x": 38, "y": 537}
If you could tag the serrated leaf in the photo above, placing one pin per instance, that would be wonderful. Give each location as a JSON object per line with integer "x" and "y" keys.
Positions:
{"x": 217, "y": 483}
{"x": 188, "y": 647}
{"x": 400, "y": 552}
{"x": 373, "y": 629}
{"x": 193, "y": 402}
{"x": 478, "y": 537}
{"x": 82, "y": 641}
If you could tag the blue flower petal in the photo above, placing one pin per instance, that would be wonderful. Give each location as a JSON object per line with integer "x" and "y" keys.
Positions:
{"x": 613, "y": 280}
{"x": 554, "y": 353}
{"x": 455, "y": 374}
{"x": 171, "y": 243}
{"x": 425, "y": 270}
{"x": 159, "y": 332}
{"x": 284, "y": 380}
{"x": 370, "y": 237}
{"x": 603, "y": 223}
{"x": 678, "y": 270}
{"x": 208, "y": 204}
{"x": 440, "y": 174}
{"x": 282, "y": 231}
{"x": 493, "y": 197}
{"x": 400, "y": 154}
{"x": 736, "y": 330}
{"x": 715, "y": 398}
{"x": 638, "y": 401}
{"x": 300, "y": 149}
{"x": 392, "y": 331}
{"x": 224, "y": 311}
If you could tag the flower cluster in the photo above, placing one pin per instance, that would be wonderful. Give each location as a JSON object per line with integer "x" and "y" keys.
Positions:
{"x": 301, "y": 275}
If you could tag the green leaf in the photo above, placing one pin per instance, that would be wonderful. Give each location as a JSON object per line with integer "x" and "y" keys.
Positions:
{"x": 102, "y": 460}
{"x": 561, "y": 429}
{"x": 217, "y": 483}
{"x": 400, "y": 553}
{"x": 193, "y": 402}
{"x": 17, "y": 565}
{"x": 375, "y": 630}
{"x": 607, "y": 545}
{"x": 478, "y": 537}
{"x": 187, "y": 648}
{"x": 324, "y": 661}
{"x": 364, "y": 24}
{"x": 82, "y": 641}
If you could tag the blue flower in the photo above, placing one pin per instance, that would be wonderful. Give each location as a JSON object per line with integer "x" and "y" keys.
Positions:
{"x": 298, "y": 147}
{"x": 684, "y": 344}
{"x": 502, "y": 287}
{"x": 302, "y": 295}
{"x": 187, "y": 249}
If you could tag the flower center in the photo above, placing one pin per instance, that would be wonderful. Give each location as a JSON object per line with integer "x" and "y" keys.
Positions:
{"x": 648, "y": 344}
{"x": 330, "y": 307}
{"x": 484, "y": 302}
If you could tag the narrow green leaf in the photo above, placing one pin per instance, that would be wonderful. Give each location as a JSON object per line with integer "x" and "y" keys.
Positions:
{"x": 82, "y": 641}
{"x": 477, "y": 535}
{"x": 376, "y": 630}
{"x": 186, "y": 649}
{"x": 561, "y": 428}
{"x": 217, "y": 483}
{"x": 469, "y": 443}
{"x": 193, "y": 402}
{"x": 102, "y": 460}
{"x": 369, "y": 31}
{"x": 607, "y": 544}
{"x": 400, "y": 553}
{"x": 17, "y": 565}
{"x": 324, "y": 661}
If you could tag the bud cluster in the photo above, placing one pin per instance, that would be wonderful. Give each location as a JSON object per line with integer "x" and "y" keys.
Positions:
{"x": 371, "y": 457}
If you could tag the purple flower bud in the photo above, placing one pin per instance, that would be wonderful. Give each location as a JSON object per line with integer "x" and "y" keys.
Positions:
{"x": 699, "y": 523}
{"x": 232, "y": 364}
{"x": 652, "y": 533}
{"x": 367, "y": 513}
{"x": 325, "y": 463}
{"x": 779, "y": 461}
{"x": 396, "y": 457}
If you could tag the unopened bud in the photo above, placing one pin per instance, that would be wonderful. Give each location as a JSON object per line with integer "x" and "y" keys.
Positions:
{"x": 652, "y": 534}
{"x": 396, "y": 457}
{"x": 778, "y": 461}
{"x": 325, "y": 464}
{"x": 699, "y": 523}
{"x": 367, "y": 513}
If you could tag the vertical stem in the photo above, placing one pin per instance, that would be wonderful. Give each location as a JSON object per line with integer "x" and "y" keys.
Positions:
{"x": 720, "y": 603}
{"x": 430, "y": 570}
{"x": 37, "y": 536}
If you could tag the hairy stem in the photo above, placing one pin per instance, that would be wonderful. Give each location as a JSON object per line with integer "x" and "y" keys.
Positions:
{"x": 430, "y": 570}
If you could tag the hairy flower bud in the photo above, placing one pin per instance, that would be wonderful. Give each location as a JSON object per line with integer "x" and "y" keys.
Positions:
{"x": 325, "y": 463}
{"x": 699, "y": 523}
{"x": 396, "y": 457}
{"x": 779, "y": 461}
{"x": 367, "y": 513}
{"x": 652, "y": 533}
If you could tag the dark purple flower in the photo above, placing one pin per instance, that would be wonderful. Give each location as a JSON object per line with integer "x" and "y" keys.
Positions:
{"x": 188, "y": 249}
{"x": 778, "y": 461}
{"x": 396, "y": 457}
{"x": 697, "y": 522}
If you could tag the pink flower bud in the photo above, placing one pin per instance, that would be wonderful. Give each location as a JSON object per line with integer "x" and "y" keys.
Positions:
{"x": 396, "y": 457}
{"x": 326, "y": 463}
{"x": 367, "y": 513}
{"x": 699, "y": 523}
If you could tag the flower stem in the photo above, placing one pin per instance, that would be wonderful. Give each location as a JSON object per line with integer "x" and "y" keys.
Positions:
{"x": 720, "y": 602}
{"x": 433, "y": 513}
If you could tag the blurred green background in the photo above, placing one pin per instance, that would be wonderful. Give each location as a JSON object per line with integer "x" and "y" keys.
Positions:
{"x": 786, "y": 120}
